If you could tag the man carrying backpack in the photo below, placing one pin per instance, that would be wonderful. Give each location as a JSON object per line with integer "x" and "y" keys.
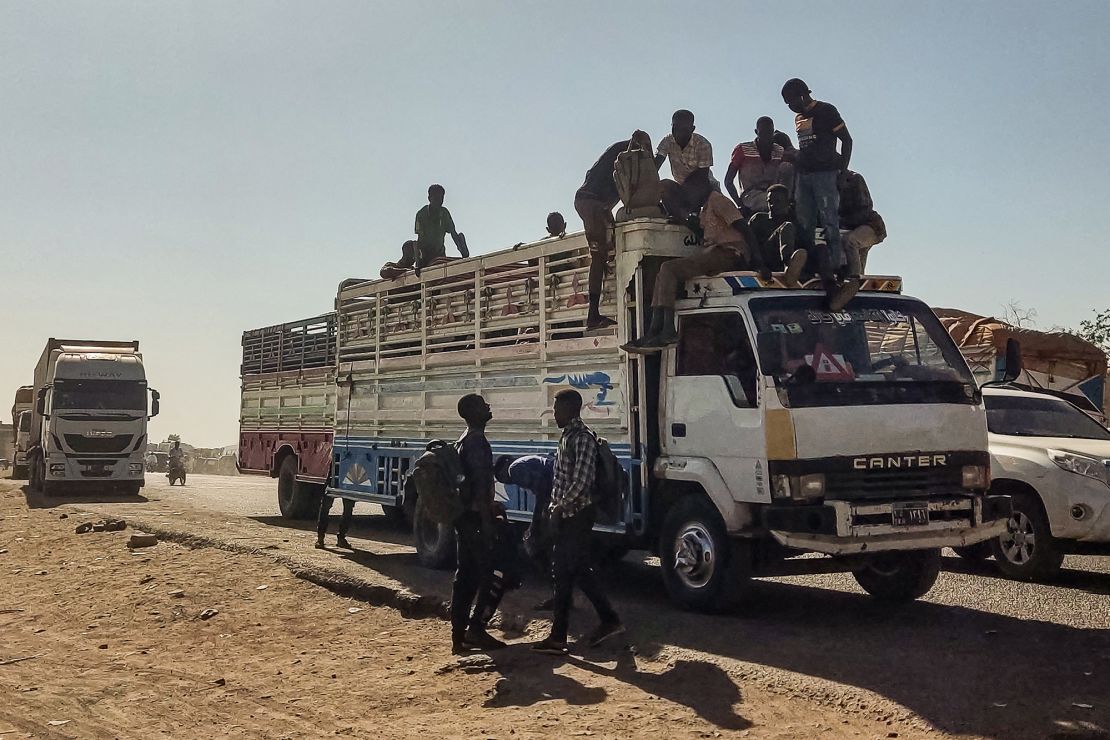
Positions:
{"x": 572, "y": 512}
{"x": 474, "y": 531}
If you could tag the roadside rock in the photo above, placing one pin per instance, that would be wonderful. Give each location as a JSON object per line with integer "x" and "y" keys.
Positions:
{"x": 208, "y": 614}
{"x": 142, "y": 539}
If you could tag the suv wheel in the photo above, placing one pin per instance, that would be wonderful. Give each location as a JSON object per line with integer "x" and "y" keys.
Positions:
{"x": 1027, "y": 550}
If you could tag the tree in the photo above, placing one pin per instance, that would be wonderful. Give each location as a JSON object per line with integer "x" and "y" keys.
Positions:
{"x": 1097, "y": 331}
{"x": 1015, "y": 314}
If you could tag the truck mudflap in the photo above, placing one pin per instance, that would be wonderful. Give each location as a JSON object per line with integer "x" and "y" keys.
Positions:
{"x": 848, "y": 528}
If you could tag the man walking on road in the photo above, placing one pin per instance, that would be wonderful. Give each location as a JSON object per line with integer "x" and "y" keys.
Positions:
{"x": 474, "y": 533}
{"x": 572, "y": 514}
{"x": 324, "y": 515}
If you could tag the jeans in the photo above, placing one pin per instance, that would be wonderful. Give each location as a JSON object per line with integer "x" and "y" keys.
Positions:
{"x": 572, "y": 567}
{"x": 818, "y": 204}
{"x": 473, "y": 574}
{"x": 324, "y": 515}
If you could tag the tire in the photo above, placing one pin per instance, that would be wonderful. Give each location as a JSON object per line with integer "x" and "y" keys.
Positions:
{"x": 703, "y": 568}
{"x": 35, "y": 482}
{"x": 395, "y": 515}
{"x": 897, "y": 577}
{"x": 435, "y": 541}
{"x": 1028, "y": 551}
{"x": 183, "y": 478}
{"x": 19, "y": 472}
{"x": 295, "y": 500}
{"x": 977, "y": 553}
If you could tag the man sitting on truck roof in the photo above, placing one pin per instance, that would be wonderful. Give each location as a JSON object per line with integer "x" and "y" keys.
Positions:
{"x": 865, "y": 226}
{"x": 775, "y": 235}
{"x": 729, "y": 245}
{"x": 689, "y": 153}
{"x": 594, "y": 203}
{"x": 759, "y": 164}
{"x": 433, "y": 223}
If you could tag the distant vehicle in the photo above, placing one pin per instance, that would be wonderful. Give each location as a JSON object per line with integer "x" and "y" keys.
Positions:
{"x": 21, "y": 430}
{"x": 160, "y": 463}
{"x": 89, "y": 416}
{"x": 4, "y": 464}
{"x": 1054, "y": 461}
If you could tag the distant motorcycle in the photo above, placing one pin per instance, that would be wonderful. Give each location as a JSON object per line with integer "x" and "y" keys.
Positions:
{"x": 176, "y": 471}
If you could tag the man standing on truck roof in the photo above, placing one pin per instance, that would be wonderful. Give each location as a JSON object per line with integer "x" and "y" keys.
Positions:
{"x": 865, "y": 226}
{"x": 775, "y": 236}
{"x": 324, "y": 515}
{"x": 759, "y": 164}
{"x": 572, "y": 512}
{"x": 594, "y": 203}
{"x": 689, "y": 153}
{"x": 729, "y": 245}
{"x": 819, "y": 127}
{"x": 433, "y": 223}
{"x": 474, "y": 532}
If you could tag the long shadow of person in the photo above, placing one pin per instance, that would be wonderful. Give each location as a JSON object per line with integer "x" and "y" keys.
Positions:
{"x": 703, "y": 687}
{"x": 529, "y": 679}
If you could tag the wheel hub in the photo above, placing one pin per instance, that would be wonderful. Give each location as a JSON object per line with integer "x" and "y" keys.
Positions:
{"x": 1019, "y": 541}
{"x": 695, "y": 557}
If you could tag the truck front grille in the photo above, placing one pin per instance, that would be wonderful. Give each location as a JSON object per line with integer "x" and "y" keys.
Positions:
{"x": 889, "y": 484}
{"x": 118, "y": 443}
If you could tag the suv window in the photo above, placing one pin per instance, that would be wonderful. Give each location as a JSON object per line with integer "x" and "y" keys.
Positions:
{"x": 1025, "y": 416}
{"x": 717, "y": 344}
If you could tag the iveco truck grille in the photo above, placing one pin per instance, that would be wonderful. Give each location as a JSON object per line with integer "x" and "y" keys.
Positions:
{"x": 881, "y": 484}
{"x": 117, "y": 443}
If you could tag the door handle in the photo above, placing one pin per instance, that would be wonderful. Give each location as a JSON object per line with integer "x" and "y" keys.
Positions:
{"x": 678, "y": 430}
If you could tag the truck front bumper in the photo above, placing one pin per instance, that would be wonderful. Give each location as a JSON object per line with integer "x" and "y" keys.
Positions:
{"x": 850, "y": 528}
{"x": 64, "y": 469}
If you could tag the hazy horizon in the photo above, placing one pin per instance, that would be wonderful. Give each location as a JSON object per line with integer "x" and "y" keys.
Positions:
{"x": 180, "y": 172}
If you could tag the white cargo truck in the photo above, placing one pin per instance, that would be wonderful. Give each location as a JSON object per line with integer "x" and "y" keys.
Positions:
{"x": 774, "y": 429}
{"x": 89, "y": 419}
{"x": 21, "y": 430}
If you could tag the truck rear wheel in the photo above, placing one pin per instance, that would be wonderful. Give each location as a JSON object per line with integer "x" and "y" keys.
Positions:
{"x": 703, "y": 568}
{"x": 296, "y": 500}
{"x": 900, "y": 576}
{"x": 435, "y": 541}
{"x": 1027, "y": 550}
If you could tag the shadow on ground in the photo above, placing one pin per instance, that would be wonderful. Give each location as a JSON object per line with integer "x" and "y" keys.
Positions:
{"x": 37, "y": 500}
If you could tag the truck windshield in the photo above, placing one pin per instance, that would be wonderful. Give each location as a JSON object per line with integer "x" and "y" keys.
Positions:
{"x": 99, "y": 395}
{"x": 881, "y": 350}
{"x": 25, "y": 421}
{"x": 1023, "y": 416}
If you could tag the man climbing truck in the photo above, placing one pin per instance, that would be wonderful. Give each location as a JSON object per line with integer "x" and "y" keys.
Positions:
{"x": 773, "y": 429}
{"x": 287, "y": 410}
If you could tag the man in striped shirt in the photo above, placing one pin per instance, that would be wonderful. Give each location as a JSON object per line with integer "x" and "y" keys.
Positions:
{"x": 572, "y": 514}
{"x": 759, "y": 164}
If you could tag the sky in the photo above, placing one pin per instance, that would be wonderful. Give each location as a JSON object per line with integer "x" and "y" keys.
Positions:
{"x": 179, "y": 172}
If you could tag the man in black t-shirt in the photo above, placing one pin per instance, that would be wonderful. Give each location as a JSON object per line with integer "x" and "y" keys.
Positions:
{"x": 819, "y": 127}
{"x": 594, "y": 203}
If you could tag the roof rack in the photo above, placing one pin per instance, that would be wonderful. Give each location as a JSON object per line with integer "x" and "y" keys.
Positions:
{"x": 734, "y": 283}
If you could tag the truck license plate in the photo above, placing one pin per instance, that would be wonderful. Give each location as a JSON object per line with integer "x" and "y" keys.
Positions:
{"x": 910, "y": 515}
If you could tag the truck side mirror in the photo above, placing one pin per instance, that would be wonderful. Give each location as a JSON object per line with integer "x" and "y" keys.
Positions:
{"x": 154, "y": 396}
{"x": 40, "y": 402}
{"x": 1013, "y": 361}
{"x": 769, "y": 346}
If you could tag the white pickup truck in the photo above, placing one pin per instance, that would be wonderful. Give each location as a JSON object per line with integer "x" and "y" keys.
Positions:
{"x": 1054, "y": 461}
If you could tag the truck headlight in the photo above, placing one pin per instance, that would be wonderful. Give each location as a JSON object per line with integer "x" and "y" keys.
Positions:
{"x": 976, "y": 477}
{"x": 1081, "y": 465}
{"x": 135, "y": 468}
{"x": 799, "y": 487}
{"x": 57, "y": 468}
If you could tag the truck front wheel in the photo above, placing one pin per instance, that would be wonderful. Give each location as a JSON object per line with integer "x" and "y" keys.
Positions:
{"x": 703, "y": 568}
{"x": 900, "y": 576}
{"x": 19, "y": 472}
{"x": 295, "y": 500}
{"x": 435, "y": 541}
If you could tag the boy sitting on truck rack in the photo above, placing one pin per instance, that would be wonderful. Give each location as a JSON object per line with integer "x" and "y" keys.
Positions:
{"x": 433, "y": 223}
{"x": 775, "y": 235}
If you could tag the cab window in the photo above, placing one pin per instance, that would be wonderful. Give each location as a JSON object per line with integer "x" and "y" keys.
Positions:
{"x": 717, "y": 344}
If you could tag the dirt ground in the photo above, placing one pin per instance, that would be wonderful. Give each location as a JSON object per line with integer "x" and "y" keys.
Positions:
{"x": 102, "y": 641}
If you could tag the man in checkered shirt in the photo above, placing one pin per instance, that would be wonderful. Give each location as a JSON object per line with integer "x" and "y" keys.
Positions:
{"x": 572, "y": 518}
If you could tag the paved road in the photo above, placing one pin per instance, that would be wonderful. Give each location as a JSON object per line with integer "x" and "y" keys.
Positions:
{"x": 981, "y": 655}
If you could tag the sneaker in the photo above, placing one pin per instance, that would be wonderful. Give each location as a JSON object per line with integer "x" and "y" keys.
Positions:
{"x": 319, "y": 545}
{"x": 599, "y": 322}
{"x": 482, "y": 640}
{"x": 604, "y": 632}
{"x": 550, "y": 646}
{"x": 839, "y": 297}
{"x": 794, "y": 268}
{"x": 639, "y": 346}
{"x": 342, "y": 542}
{"x": 462, "y": 647}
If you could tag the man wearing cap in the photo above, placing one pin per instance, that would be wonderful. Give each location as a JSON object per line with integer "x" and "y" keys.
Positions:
{"x": 819, "y": 127}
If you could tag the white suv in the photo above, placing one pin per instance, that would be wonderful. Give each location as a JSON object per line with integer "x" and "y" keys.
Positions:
{"x": 1054, "y": 461}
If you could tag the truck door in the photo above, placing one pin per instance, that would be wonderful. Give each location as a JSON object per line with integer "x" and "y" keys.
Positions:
{"x": 711, "y": 403}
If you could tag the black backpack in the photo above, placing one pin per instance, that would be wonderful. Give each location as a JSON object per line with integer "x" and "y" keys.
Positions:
{"x": 610, "y": 480}
{"x": 438, "y": 476}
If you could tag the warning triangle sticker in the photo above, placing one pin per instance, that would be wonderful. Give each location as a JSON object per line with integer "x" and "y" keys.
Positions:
{"x": 829, "y": 366}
